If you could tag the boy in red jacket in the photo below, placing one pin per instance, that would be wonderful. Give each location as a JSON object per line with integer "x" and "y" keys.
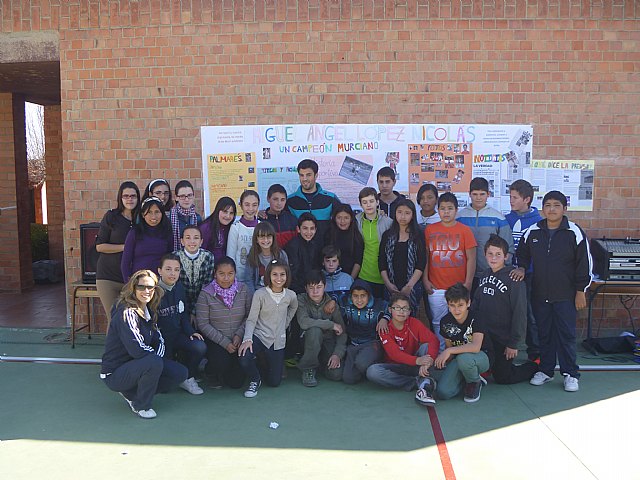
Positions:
{"x": 410, "y": 349}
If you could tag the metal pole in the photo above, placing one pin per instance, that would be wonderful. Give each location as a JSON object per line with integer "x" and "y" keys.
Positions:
{"x": 55, "y": 360}
{"x": 97, "y": 361}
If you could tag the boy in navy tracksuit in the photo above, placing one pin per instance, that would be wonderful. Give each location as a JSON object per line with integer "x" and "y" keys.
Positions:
{"x": 174, "y": 322}
{"x": 521, "y": 217}
{"x": 559, "y": 252}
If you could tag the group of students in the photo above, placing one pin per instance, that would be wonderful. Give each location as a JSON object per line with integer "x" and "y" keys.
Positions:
{"x": 308, "y": 281}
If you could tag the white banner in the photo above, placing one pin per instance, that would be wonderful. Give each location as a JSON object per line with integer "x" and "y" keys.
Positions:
{"x": 236, "y": 158}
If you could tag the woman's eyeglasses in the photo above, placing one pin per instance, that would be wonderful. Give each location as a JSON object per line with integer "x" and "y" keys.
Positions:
{"x": 161, "y": 194}
{"x": 129, "y": 197}
{"x": 189, "y": 196}
{"x": 145, "y": 288}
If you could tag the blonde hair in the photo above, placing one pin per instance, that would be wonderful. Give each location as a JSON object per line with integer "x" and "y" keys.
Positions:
{"x": 130, "y": 300}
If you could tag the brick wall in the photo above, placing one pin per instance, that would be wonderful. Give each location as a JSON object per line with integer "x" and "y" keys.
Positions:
{"x": 140, "y": 78}
{"x": 55, "y": 181}
{"x": 9, "y": 262}
{"x": 15, "y": 253}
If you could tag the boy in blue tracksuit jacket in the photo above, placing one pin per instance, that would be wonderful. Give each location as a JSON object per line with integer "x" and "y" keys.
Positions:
{"x": 174, "y": 322}
{"x": 521, "y": 217}
{"x": 559, "y": 252}
{"x": 338, "y": 282}
{"x": 361, "y": 312}
{"x": 483, "y": 221}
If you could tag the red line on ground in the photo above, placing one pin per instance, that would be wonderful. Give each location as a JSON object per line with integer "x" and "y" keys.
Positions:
{"x": 447, "y": 467}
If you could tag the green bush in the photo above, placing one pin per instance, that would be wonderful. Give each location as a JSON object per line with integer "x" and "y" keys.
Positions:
{"x": 39, "y": 242}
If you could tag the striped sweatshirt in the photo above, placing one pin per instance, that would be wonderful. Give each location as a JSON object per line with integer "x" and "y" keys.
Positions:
{"x": 219, "y": 323}
{"x": 131, "y": 335}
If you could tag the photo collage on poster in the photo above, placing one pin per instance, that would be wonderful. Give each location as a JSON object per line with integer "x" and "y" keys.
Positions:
{"x": 445, "y": 165}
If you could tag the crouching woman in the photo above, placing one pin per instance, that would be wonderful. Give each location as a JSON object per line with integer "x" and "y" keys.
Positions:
{"x": 133, "y": 363}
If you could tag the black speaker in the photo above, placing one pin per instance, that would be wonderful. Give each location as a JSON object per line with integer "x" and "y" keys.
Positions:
{"x": 88, "y": 253}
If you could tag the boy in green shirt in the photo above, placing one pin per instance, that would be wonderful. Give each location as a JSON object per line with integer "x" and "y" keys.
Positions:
{"x": 372, "y": 225}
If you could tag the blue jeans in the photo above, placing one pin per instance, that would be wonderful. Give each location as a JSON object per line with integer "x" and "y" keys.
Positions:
{"x": 397, "y": 375}
{"x": 194, "y": 351}
{"x": 274, "y": 360}
{"x": 557, "y": 331}
{"x": 464, "y": 368}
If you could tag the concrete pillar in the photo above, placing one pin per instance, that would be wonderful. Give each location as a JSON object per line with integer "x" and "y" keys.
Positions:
{"x": 15, "y": 235}
{"x": 55, "y": 181}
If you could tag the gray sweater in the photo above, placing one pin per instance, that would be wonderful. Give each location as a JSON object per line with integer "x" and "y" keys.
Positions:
{"x": 311, "y": 314}
{"x": 269, "y": 320}
{"x": 219, "y": 323}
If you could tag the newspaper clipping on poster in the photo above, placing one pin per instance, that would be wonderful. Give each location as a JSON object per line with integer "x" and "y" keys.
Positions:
{"x": 255, "y": 157}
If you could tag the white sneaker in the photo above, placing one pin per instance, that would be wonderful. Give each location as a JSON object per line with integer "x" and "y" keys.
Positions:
{"x": 570, "y": 383}
{"x": 540, "y": 378}
{"x": 151, "y": 413}
{"x": 191, "y": 386}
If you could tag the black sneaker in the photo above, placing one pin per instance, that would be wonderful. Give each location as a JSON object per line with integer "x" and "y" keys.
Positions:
{"x": 472, "y": 391}
{"x": 252, "y": 391}
{"x": 423, "y": 397}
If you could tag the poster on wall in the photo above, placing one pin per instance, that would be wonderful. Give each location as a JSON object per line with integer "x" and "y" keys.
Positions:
{"x": 349, "y": 155}
{"x": 574, "y": 178}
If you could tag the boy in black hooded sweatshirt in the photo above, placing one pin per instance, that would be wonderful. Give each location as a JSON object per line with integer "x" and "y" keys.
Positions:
{"x": 501, "y": 303}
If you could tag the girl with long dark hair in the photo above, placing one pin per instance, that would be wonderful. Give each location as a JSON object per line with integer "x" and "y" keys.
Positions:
{"x": 215, "y": 229}
{"x": 148, "y": 241}
{"x": 114, "y": 227}
{"x": 403, "y": 258}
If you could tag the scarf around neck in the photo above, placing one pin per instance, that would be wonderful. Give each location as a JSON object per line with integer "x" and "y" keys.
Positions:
{"x": 174, "y": 215}
{"x": 227, "y": 295}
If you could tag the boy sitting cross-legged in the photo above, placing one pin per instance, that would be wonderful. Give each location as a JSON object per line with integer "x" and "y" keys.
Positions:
{"x": 324, "y": 334}
{"x": 467, "y": 351}
{"x": 362, "y": 313}
{"x": 409, "y": 351}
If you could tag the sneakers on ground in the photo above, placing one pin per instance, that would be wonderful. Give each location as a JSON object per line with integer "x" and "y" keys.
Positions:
{"x": 252, "y": 390}
{"x": 191, "y": 386}
{"x": 570, "y": 383}
{"x": 309, "y": 377}
{"x": 540, "y": 378}
{"x": 150, "y": 413}
{"x": 129, "y": 402}
{"x": 423, "y": 397}
{"x": 472, "y": 390}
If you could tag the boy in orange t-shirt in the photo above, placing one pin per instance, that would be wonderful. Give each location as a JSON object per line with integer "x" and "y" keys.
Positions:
{"x": 451, "y": 258}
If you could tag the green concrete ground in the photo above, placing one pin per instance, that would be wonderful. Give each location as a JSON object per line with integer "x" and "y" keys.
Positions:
{"x": 60, "y": 421}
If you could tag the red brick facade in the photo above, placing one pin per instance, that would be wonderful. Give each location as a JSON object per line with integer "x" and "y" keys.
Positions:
{"x": 139, "y": 79}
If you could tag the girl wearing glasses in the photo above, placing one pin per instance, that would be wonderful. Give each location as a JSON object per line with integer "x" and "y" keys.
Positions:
{"x": 148, "y": 241}
{"x": 114, "y": 227}
{"x": 184, "y": 212}
{"x": 159, "y": 188}
{"x": 133, "y": 362}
